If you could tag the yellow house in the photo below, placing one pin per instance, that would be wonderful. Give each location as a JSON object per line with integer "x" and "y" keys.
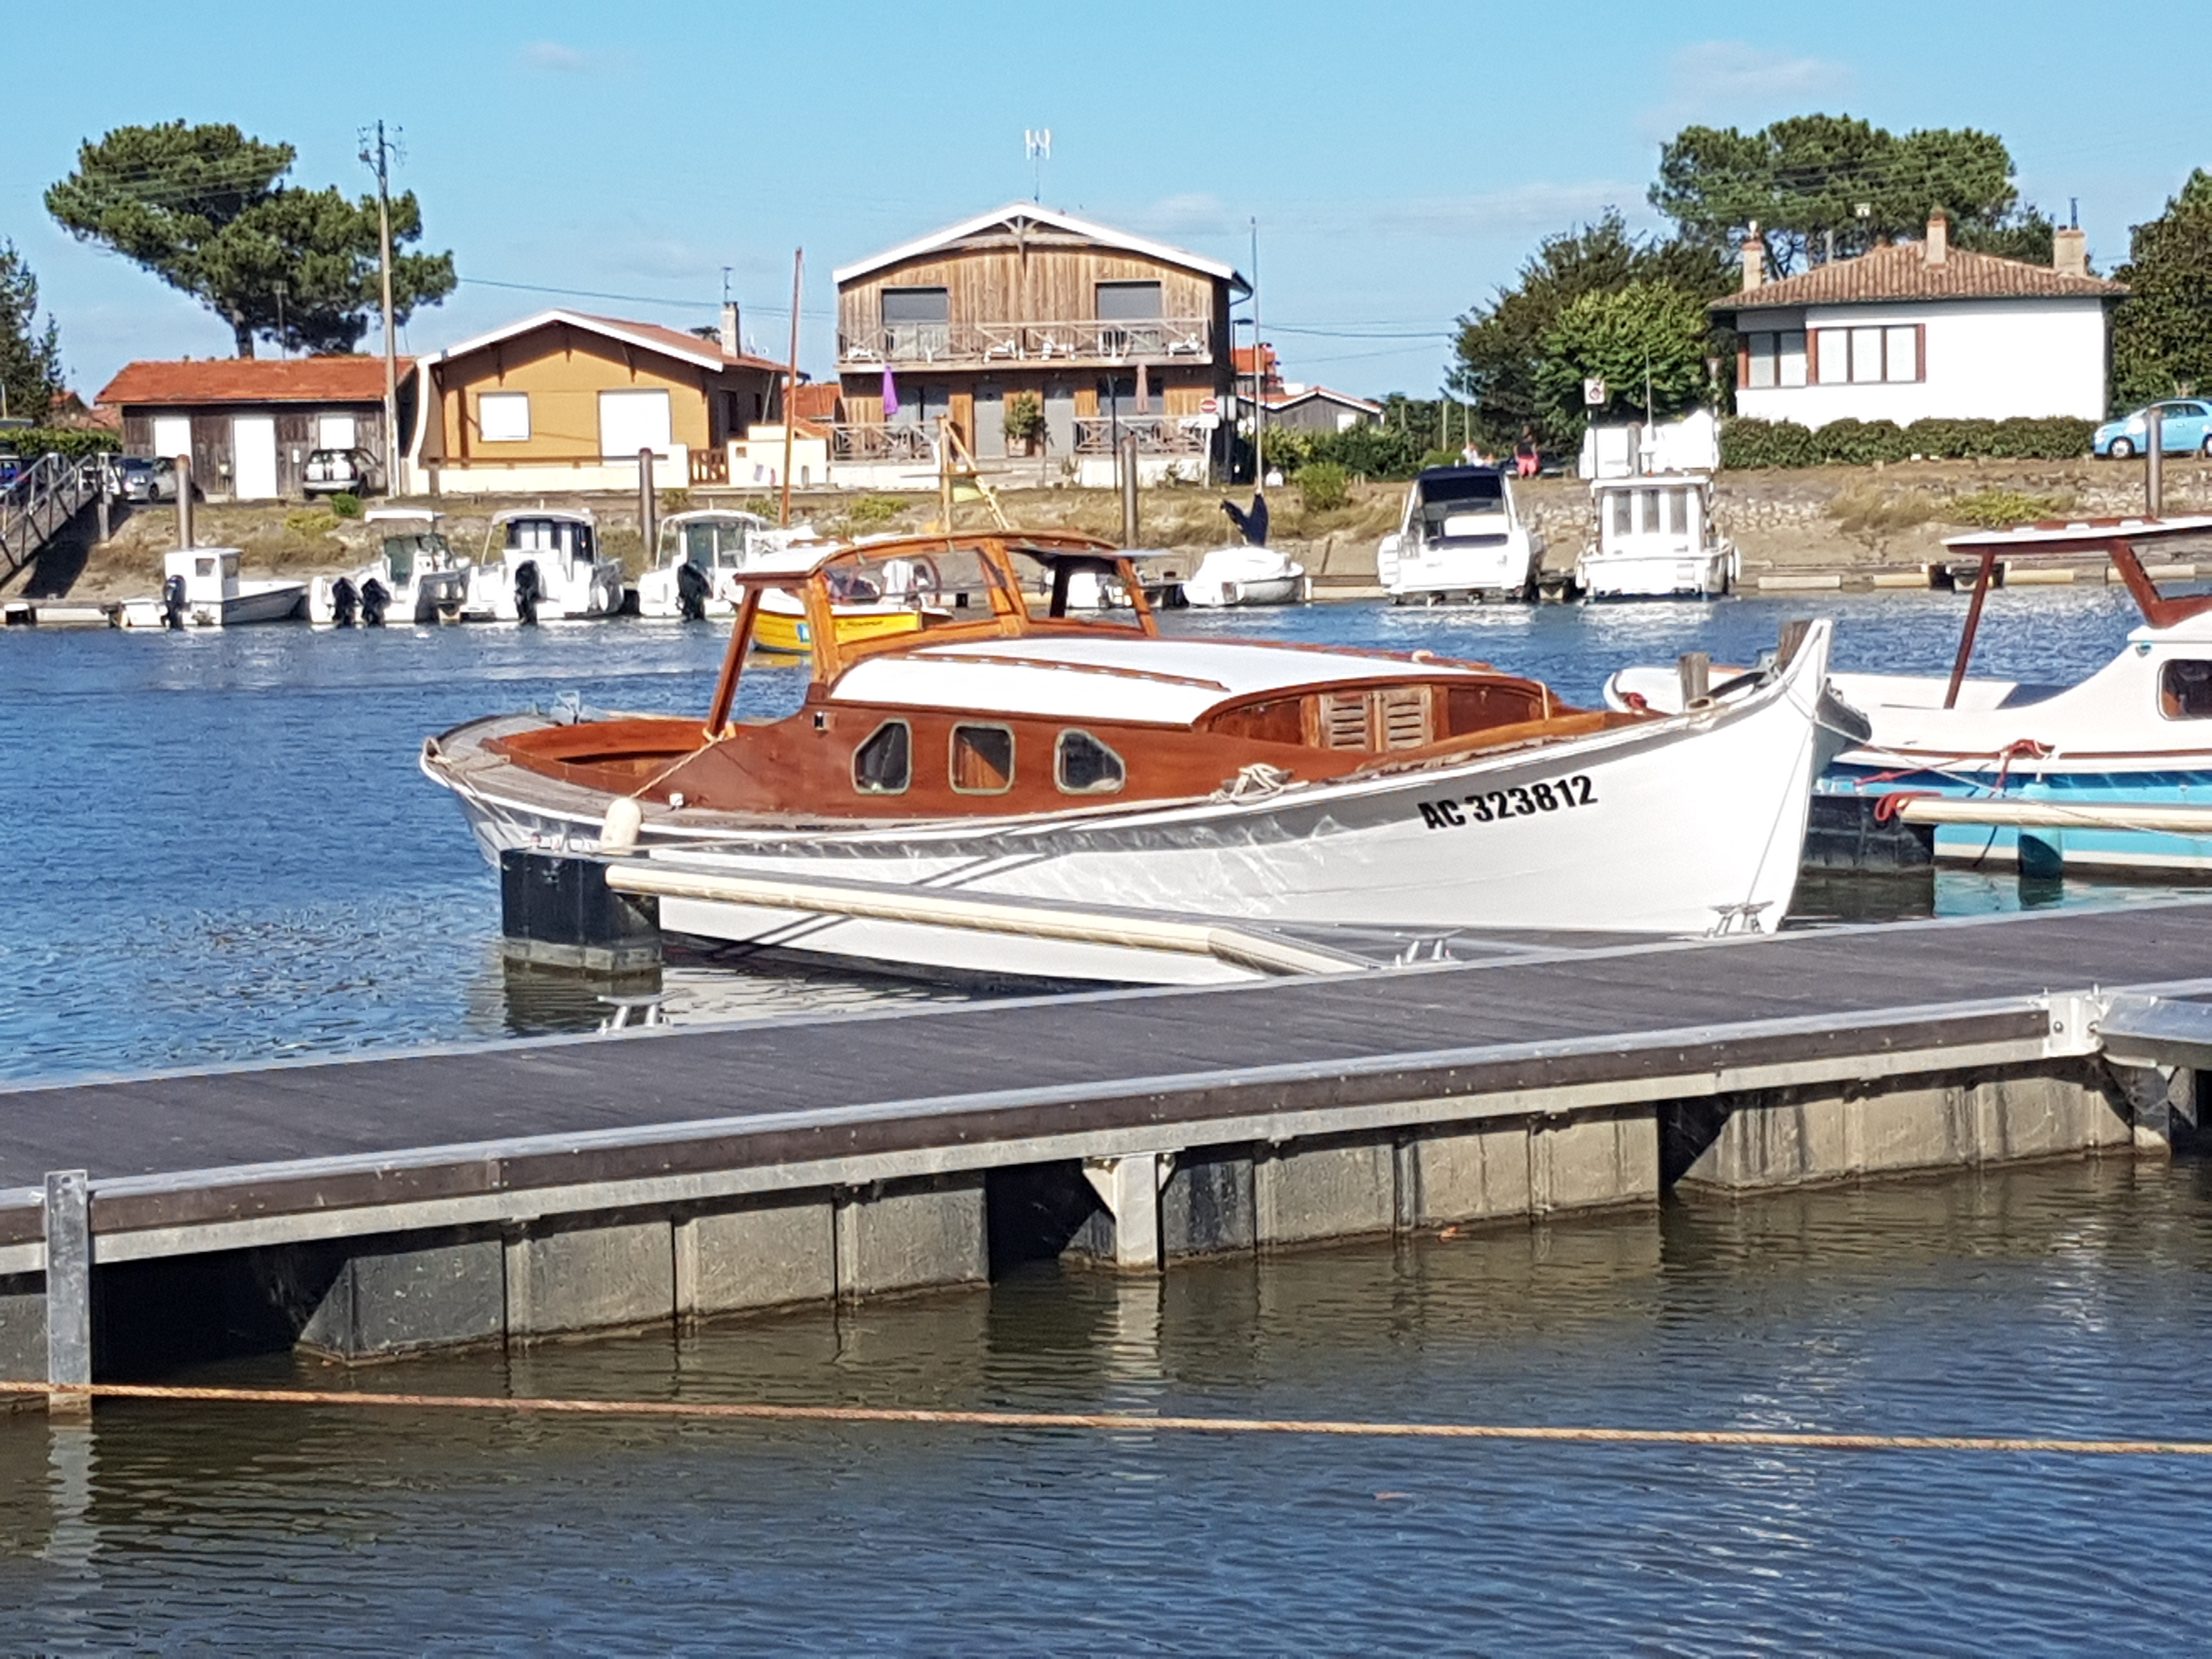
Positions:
{"x": 565, "y": 401}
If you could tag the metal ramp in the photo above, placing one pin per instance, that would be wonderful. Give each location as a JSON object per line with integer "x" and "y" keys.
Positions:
{"x": 35, "y": 509}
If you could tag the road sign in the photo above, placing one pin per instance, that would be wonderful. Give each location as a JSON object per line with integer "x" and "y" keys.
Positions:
{"x": 1211, "y": 406}
{"x": 1592, "y": 391}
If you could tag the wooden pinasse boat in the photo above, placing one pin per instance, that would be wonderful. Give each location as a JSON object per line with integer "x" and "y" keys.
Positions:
{"x": 1009, "y": 750}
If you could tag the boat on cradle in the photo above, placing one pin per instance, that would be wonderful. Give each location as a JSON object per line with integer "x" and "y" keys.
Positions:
{"x": 698, "y": 553}
{"x": 1461, "y": 535}
{"x": 1010, "y": 753}
{"x": 414, "y": 578}
{"x": 2078, "y": 764}
{"x": 1244, "y": 575}
{"x": 542, "y": 564}
{"x": 200, "y": 588}
{"x": 1655, "y": 540}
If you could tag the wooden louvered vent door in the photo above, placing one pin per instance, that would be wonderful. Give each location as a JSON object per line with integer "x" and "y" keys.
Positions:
{"x": 1393, "y": 717}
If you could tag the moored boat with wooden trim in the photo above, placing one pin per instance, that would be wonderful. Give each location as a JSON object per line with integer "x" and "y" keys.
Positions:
{"x": 1008, "y": 749}
{"x": 2136, "y": 733}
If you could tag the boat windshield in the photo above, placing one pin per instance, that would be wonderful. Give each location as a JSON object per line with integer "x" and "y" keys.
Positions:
{"x": 956, "y": 578}
{"x": 1470, "y": 492}
{"x": 711, "y": 545}
{"x": 563, "y": 536}
{"x": 402, "y": 551}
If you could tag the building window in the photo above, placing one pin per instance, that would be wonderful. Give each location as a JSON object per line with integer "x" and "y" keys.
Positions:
{"x": 1137, "y": 305}
{"x": 883, "y": 764}
{"x": 336, "y": 432}
{"x": 631, "y": 421}
{"x": 1084, "y": 766}
{"x": 1867, "y": 356}
{"x": 983, "y": 759}
{"x": 917, "y": 322}
{"x": 1773, "y": 359}
{"x": 503, "y": 417}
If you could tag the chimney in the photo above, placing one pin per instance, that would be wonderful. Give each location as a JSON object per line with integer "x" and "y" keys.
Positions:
{"x": 1754, "y": 259}
{"x": 732, "y": 342}
{"x": 2070, "y": 252}
{"x": 1938, "y": 247}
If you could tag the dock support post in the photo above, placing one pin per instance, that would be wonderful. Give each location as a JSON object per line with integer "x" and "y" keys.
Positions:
{"x": 1129, "y": 1188}
{"x": 69, "y": 1290}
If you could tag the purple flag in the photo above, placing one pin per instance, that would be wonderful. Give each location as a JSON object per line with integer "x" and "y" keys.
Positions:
{"x": 890, "y": 395}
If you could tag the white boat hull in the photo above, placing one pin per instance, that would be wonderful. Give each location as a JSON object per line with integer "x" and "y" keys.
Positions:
{"x": 435, "y": 596}
{"x": 569, "y": 591}
{"x": 255, "y": 602}
{"x": 1655, "y": 576}
{"x": 1690, "y": 826}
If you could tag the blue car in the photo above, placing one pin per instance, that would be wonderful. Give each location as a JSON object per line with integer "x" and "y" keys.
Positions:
{"x": 2185, "y": 428}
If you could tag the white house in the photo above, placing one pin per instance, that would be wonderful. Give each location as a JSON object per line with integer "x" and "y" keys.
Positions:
{"x": 1919, "y": 329}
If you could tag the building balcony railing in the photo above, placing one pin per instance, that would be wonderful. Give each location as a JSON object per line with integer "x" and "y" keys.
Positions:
{"x": 958, "y": 345}
{"x": 1155, "y": 435}
{"x": 898, "y": 441}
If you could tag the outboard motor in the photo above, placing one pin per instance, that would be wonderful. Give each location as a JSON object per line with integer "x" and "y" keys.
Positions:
{"x": 345, "y": 601}
{"x": 691, "y": 591}
{"x": 172, "y": 603}
{"x": 375, "y": 597}
{"x": 527, "y": 592}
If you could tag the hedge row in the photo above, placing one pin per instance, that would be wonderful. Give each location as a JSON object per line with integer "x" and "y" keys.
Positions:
{"x": 1750, "y": 443}
{"x": 75, "y": 442}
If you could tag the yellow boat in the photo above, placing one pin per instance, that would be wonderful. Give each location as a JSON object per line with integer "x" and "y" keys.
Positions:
{"x": 782, "y": 627}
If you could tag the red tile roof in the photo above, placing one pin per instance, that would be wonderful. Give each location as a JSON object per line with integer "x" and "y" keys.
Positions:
{"x": 819, "y": 403}
{"x": 1901, "y": 271}
{"x": 253, "y": 381}
{"x": 677, "y": 339}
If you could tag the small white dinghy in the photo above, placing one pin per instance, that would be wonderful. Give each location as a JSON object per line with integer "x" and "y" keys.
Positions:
{"x": 1655, "y": 540}
{"x": 200, "y": 588}
{"x": 413, "y": 578}
{"x": 699, "y": 554}
{"x": 1230, "y": 576}
{"x": 542, "y": 564}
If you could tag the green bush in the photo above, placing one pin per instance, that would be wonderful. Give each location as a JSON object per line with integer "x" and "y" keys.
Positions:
{"x": 346, "y": 505}
{"x": 2001, "y": 509}
{"x": 1323, "y": 486}
{"x": 74, "y": 442}
{"x": 1024, "y": 418}
{"x": 873, "y": 512}
{"x": 1746, "y": 443}
{"x": 1289, "y": 449}
{"x": 1848, "y": 442}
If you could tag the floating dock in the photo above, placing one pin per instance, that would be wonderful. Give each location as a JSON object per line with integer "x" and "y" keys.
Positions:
{"x": 514, "y": 1191}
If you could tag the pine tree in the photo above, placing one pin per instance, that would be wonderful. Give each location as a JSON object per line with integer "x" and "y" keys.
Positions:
{"x": 30, "y": 357}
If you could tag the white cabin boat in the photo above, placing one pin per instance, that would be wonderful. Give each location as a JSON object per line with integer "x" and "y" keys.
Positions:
{"x": 1006, "y": 753}
{"x": 1244, "y": 575}
{"x": 1460, "y": 535}
{"x": 2136, "y": 734}
{"x": 200, "y": 588}
{"x": 695, "y": 566}
{"x": 1656, "y": 539}
{"x": 414, "y": 578}
{"x": 542, "y": 564}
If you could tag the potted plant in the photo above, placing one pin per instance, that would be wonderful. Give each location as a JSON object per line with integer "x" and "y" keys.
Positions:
{"x": 1024, "y": 421}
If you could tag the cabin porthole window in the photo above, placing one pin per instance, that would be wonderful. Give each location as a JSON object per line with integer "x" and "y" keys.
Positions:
{"x": 1083, "y": 766}
{"x": 883, "y": 764}
{"x": 2184, "y": 691}
{"x": 982, "y": 759}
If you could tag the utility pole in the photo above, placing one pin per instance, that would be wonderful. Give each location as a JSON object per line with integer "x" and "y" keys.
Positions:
{"x": 382, "y": 164}
{"x": 1259, "y": 377}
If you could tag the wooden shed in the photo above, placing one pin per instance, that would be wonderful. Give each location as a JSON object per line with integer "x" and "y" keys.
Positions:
{"x": 250, "y": 423}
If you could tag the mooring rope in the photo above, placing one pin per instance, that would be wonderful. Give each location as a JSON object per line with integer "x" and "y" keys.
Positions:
{"x": 1120, "y": 1422}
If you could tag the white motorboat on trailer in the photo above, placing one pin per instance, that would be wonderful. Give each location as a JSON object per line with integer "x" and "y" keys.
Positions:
{"x": 999, "y": 754}
{"x": 698, "y": 555}
{"x": 1656, "y": 539}
{"x": 2136, "y": 733}
{"x": 200, "y": 588}
{"x": 1244, "y": 575}
{"x": 1460, "y": 534}
{"x": 413, "y": 578}
{"x": 542, "y": 564}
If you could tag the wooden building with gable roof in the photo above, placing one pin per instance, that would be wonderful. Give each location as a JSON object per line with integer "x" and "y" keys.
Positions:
{"x": 1111, "y": 333}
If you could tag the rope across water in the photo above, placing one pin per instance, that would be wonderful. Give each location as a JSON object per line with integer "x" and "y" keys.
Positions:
{"x": 1118, "y": 1422}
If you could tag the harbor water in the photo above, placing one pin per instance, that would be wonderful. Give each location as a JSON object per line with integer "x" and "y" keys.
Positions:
{"x": 222, "y": 852}
{"x": 222, "y": 849}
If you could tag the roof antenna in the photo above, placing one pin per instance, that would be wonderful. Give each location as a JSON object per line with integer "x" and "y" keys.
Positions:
{"x": 1037, "y": 141}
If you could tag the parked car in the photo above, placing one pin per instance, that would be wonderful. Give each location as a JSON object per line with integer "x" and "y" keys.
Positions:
{"x": 138, "y": 479}
{"x": 2185, "y": 428}
{"x": 11, "y": 468}
{"x": 338, "y": 472}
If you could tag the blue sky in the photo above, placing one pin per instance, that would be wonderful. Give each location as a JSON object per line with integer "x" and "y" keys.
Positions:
{"x": 1400, "y": 159}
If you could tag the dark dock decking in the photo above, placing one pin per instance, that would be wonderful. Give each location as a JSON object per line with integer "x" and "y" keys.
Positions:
{"x": 608, "y": 1180}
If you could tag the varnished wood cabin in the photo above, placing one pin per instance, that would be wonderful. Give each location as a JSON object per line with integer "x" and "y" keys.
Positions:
{"x": 1029, "y": 300}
